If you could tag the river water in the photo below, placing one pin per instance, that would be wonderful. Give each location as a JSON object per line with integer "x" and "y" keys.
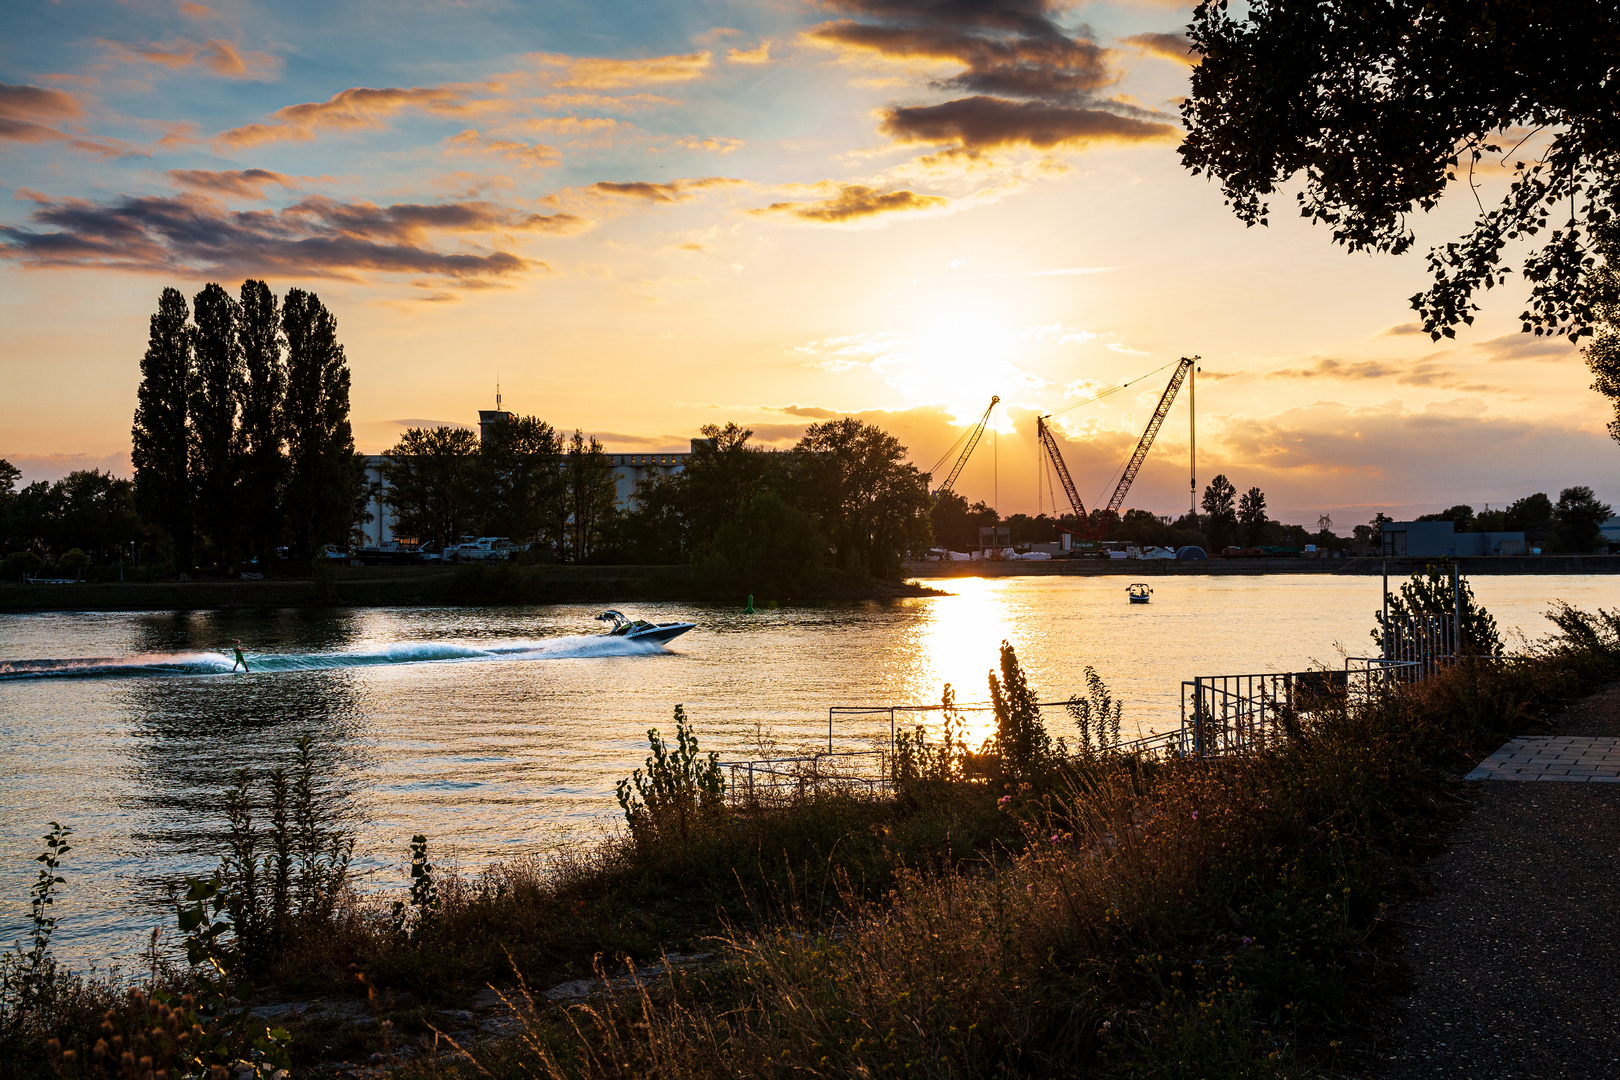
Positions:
{"x": 501, "y": 731}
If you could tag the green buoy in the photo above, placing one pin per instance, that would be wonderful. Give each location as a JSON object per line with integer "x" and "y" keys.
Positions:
{"x": 749, "y": 610}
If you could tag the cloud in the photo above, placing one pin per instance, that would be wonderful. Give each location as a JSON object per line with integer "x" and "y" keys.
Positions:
{"x": 716, "y": 144}
{"x": 1033, "y": 83}
{"x": 984, "y": 122}
{"x": 1403, "y": 330}
{"x": 355, "y": 108}
{"x": 531, "y": 155}
{"x": 760, "y": 54}
{"x": 1049, "y": 65}
{"x": 53, "y": 467}
{"x": 1177, "y": 48}
{"x": 811, "y": 412}
{"x": 23, "y": 108}
{"x": 1403, "y": 373}
{"x": 320, "y": 237}
{"x": 673, "y": 191}
{"x": 854, "y": 202}
{"x": 198, "y": 11}
{"x": 1546, "y": 350}
{"x": 241, "y": 183}
{"x": 216, "y": 55}
{"x": 607, "y": 73}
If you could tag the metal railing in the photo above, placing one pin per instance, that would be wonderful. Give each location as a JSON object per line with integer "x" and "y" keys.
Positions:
{"x": 781, "y": 779}
{"x": 1228, "y": 714}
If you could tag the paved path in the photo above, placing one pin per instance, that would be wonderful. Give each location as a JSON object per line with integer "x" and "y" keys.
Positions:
{"x": 1569, "y": 758}
{"x": 1515, "y": 956}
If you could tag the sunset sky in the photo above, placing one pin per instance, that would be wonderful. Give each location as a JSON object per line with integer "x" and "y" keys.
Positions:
{"x": 643, "y": 218}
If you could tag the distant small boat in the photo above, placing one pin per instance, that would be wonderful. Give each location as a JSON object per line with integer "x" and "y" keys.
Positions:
{"x": 1139, "y": 593}
{"x": 641, "y": 630}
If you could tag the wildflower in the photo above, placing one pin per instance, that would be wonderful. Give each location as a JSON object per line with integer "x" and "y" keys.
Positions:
{"x": 1195, "y": 815}
{"x": 1246, "y": 942}
{"x": 1004, "y": 800}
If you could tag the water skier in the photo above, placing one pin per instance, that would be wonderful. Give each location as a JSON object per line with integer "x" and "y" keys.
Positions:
{"x": 240, "y": 659}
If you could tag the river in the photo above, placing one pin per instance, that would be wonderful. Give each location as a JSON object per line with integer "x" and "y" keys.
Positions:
{"x": 501, "y": 731}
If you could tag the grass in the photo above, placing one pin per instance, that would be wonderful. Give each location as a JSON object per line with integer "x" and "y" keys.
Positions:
{"x": 1123, "y": 915}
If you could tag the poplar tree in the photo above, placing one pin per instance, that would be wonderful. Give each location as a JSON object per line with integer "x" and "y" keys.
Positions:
{"x": 160, "y": 440}
{"x": 325, "y": 477}
{"x": 216, "y": 394}
{"x": 260, "y": 437}
{"x": 592, "y": 496}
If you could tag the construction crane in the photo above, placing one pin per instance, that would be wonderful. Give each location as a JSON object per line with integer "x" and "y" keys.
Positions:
{"x": 973, "y": 437}
{"x": 1044, "y": 433}
{"x": 1132, "y": 467}
{"x": 1145, "y": 443}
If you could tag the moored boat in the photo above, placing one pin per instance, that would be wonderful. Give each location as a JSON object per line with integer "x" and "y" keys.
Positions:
{"x": 1139, "y": 593}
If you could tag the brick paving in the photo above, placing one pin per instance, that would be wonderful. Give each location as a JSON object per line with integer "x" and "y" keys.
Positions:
{"x": 1577, "y": 759}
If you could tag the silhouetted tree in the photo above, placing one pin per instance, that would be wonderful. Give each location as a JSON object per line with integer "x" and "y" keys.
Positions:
{"x": 1251, "y": 515}
{"x": 1220, "y": 511}
{"x": 261, "y": 436}
{"x": 216, "y": 394}
{"x": 1578, "y": 519}
{"x": 873, "y": 505}
{"x": 590, "y": 498}
{"x": 723, "y": 472}
{"x": 1461, "y": 517}
{"x": 1377, "y": 107}
{"x": 520, "y": 478}
{"x": 1603, "y": 351}
{"x": 1531, "y": 515}
{"x": 160, "y": 448}
{"x": 432, "y": 485}
{"x": 325, "y": 490}
{"x": 9, "y": 475}
{"x": 768, "y": 549}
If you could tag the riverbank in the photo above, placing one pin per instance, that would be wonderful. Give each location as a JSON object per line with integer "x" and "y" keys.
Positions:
{"x": 1139, "y": 568}
{"x": 412, "y": 586}
{"x": 1030, "y": 916}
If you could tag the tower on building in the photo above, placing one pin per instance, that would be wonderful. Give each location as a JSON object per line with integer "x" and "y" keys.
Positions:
{"x": 487, "y": 418}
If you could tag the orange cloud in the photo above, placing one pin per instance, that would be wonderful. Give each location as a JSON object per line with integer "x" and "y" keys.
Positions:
{"x": 715, "y": 144}
{"x": 673, "y": 191}
{"x": 983, "y": 122}
{"x": 217, "y": 55}
{"x": 316, "y": 237}
{"x": 760, "y": 54}
{"x": 854, "y": 202}
{"x": 533, "y": 155}
{"x": 355, "y": 108}
{"x": 22, "y": 108}
{"x": 242, "y": 183}
{"x": 1177, "y": 48}
{"x": 607, "y": 73}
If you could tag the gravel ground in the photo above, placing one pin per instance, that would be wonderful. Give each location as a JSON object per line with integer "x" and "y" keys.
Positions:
{"x": 1514, "y": 957}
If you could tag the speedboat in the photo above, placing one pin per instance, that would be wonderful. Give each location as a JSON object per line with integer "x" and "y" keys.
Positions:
{"x": 1139, "y": 593}
{"x": 641, "y": 630}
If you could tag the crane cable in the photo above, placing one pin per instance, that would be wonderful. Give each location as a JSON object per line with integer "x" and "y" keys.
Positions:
{"x": 1112, "y": 390}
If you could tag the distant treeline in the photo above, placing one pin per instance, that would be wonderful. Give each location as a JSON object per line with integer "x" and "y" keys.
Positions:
{"x": 749, "y": 519}
{"x": 1573, "y": 524}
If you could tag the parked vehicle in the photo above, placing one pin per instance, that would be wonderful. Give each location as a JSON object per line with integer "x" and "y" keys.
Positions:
{"x": 483, "y": 549}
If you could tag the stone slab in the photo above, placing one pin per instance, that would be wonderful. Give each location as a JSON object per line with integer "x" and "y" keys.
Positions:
{"x": 1570, "y": 759}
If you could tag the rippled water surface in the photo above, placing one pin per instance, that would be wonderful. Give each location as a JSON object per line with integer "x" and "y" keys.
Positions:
{"x": 497, "y": 731}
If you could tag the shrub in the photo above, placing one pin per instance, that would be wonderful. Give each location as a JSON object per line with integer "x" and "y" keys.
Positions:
{"x": 19, "y": 563}
{"x": 1431, "y": 593}
{"x": 73, "y": 561}
{"x": 680, "y": 791}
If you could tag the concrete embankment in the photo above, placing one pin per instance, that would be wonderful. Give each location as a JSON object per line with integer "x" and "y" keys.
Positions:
{"x": 1473, "y": 566}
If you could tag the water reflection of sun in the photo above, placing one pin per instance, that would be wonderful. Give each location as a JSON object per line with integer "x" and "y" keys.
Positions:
{"x": 959, "y": 643}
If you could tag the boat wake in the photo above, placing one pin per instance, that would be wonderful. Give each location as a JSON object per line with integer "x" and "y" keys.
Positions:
{"x": 158, "y": 665}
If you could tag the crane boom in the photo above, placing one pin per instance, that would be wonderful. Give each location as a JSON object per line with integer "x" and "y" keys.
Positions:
{"x": 1146, "y": 442}
{"x": 973, "y": 440}
{"x": 1056, "y": 456}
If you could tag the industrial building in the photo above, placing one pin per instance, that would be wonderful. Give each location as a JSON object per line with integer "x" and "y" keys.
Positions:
{"x": 1438, "y": 539}
{"x": 628, "y": 471}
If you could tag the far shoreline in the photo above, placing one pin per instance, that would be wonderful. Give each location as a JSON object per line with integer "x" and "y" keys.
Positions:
{"x": 389, "y": 586}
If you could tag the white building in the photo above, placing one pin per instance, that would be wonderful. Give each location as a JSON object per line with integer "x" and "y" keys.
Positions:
{"x": 628, "y": 471}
